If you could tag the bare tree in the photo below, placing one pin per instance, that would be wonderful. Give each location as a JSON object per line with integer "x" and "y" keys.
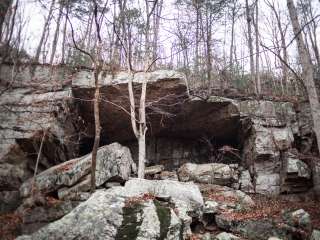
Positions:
{"x": 56, "y": 34}
{"x": 97, "y": 62}
{"x": 44, "y": 31}
{"x": 307, "y": 70}
{"x": 257, "y": 70}
{"x": 250, "y": 44}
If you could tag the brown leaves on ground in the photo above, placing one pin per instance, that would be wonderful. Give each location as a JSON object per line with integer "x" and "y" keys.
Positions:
{"x": 51, "y": 201}
{"x": 216, "y": 196}
{"x": 65, "y": 167}
{"x": 274, "y": 207}
{"x": 140, "y": 199}
{"x": 9, "y": 225}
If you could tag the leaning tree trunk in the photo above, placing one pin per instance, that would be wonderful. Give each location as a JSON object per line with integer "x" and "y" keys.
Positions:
{"x": 307, "y": 70}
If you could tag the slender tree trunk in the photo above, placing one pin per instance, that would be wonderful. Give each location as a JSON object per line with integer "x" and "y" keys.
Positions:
{"x": 232, "y": 37}
{"x": 98, "y": 63}
{"x": 197, "y": 40}
{"x": 307, "y": 70}
{"x": 56, "y": 35}
{"x": 44, "y": 32}
{"x": 257, "y": 74}
{"x": 208, "y": 46}
{"x": 157, "y": 16}
{"x": 97, "y": 130}
{"x": 64, "y": 38}
{"x": 250, "y": 44}
{"x": 283, "y": 48}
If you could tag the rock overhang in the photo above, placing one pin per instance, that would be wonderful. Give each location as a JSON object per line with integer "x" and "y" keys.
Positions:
{"x": 171, "y": 111}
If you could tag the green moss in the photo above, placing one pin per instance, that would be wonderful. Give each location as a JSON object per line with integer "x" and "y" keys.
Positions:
{"x": 164, "y": 216}
{"x": 129, "y": 228}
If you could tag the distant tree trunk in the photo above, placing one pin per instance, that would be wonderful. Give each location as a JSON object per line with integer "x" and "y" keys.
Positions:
{"x": 250, "y": 45}
{"x": 4, "y": 8}
{"x": 208, "y": 46}
{"x": 232, "y": 37}
{"x": 197, "y": 39}
{"x": 307, "y": 70}
{"x": 257, "y": 72}
{"x": 156, "y": 20}
{"x": 44, "y": 32}
{"x": 284, "y": 50}
{"x": 64, "y": 37}
{"x": 56, "y": 34}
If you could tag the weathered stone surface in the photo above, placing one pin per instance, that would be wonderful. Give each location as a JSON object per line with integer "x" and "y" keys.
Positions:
{"x": 113, "y": 160}
{"x": 226, "y": 236}
{"x": 166, "y": 175}
{"x": 268, "y": 184}
{"x": 152, "y": 170}
{"x": 36, "y": 217}
{"x": 315, "y": 235}
{"x": 297, "y": 167}
{"x": 114, "y": 214}
{"x": 298, "y": 218}
{"x": 295, "y": 175}
{"x": 245, "y": 182}
{"x": 210, "y": 207}
{"x": 75, "y": 192}
{"x": 186, "y": 192}
{"x": 260, "y": 229}
{"x": 34, "y": 102}
{"x": 316, "y": 177}
{"x": 214, "y": 173}
{"x": 9, "y": 201}
{"x": 268, "y": 113}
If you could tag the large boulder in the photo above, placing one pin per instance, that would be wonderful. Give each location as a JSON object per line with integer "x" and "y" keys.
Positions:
{"x": 295, "y": 175}
{"x": 113, "y": 161}
{"x": 214, "y": 173}
{"x": 142, "y": 209}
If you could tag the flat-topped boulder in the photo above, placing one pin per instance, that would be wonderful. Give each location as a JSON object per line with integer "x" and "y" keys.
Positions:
{"x": 141, "y": 209}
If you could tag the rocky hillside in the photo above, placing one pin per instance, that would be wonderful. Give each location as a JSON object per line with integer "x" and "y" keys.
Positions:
{"x": 205, "y": 155}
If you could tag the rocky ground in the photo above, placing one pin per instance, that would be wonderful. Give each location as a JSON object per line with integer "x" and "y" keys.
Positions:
{"x": 187, "y": 204}
{"x": 219, "y": 166}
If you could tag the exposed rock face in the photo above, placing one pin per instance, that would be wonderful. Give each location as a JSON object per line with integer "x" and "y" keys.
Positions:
{"x": 34, "y": 103}
{"x": 266, "y": 150}
{"x": 113, "y": 161}
{"x": 214, "y": 173}
{"x": 181, "y": 129}
{"x": 119, "y": 213}
{"x": 296, "y": 175}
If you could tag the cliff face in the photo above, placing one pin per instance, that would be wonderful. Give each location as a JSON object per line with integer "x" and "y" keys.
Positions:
{"x": 263, "y": 137}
